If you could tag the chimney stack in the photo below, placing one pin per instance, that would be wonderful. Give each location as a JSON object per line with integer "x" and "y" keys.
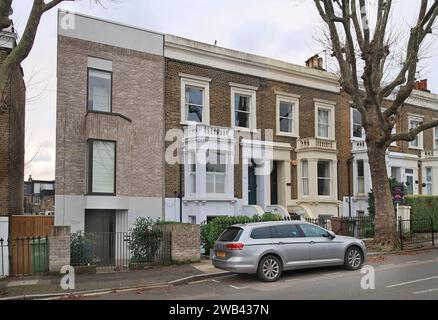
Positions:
{"x": 315, "y": 62}
{"x": 422, "y": 85}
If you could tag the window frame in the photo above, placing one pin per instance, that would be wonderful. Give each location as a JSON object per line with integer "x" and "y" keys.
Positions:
{"x": 331, "y": 130}
{"x": 360, "y": 179}
{"x": 303, "y": 178}
{"x": 295, "y": 101}
{"x": 214, "y": 174}
{"x": 90, "y": 143}
{"x": 88, "y": 90}
{"x": 429, "y": 184}
{"x": 330, "y": 179}
{"x": 244, "y": 91}
{"x": 419, "y": 136}
{"x": 353, "y": 138}
{"x": 198, "y": 82}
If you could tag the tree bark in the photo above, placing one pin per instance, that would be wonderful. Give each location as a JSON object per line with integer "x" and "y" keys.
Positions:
{"x": 385, "y": 219}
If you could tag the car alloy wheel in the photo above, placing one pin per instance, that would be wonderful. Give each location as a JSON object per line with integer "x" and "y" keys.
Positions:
{"x": 271, "y": 269}
{"x": 354, "y": 258}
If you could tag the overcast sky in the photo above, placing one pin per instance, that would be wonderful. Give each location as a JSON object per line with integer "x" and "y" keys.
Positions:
{"x": 282, "y": 29}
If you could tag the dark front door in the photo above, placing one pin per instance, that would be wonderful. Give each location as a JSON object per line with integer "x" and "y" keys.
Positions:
{"x": 100, "y": 231}
{"x": 252, "y": 185}
{"x": 274, "y": 184}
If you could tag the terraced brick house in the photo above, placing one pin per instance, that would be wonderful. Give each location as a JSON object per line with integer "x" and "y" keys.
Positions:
{"x": 158, "y": 125}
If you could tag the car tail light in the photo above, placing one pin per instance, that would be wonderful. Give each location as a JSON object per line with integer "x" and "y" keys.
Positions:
{"x": 235, "y": 246}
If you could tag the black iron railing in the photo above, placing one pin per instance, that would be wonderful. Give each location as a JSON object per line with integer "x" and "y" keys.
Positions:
{"x": 118, "y": 251}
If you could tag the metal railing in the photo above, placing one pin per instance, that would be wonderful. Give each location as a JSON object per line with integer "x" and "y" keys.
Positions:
{"x": 416, "y": 231}
{"x": 116, "y": 251}
{"x": 23, "y": 256}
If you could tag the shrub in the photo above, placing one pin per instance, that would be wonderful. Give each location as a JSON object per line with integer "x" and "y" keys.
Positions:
{"x": 81, "y": 249}
{"x": 145, "y": 240}
{"x": 211, "y": 231}
{"x": 423, "y": 209}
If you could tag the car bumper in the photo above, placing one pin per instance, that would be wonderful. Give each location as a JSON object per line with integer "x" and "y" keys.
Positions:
{"x": 234, "y": 266}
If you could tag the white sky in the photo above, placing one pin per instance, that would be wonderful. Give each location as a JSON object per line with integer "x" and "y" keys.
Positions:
{"x": 282, "y": 29}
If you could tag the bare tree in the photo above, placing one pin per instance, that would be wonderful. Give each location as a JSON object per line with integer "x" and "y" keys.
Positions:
{"x": 364, "y": 51}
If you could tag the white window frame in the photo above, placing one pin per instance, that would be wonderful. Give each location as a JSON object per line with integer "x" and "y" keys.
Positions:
{"x": 215, "y": 174}
{"x": 199, "y": 82}
{"x": 331, "y": 108}
{"x": 353, "y": 138}
{"x": 330, "y": 178}
{"x": 420, "y": 135}
{"x": 190, "y": 156}
{"x": 303, "y": 177}
{"x": 360, "y": 179}
{"x": 429, "y": 184}
{"x": 295, "y": 101}
{"x": 246, "y": 91}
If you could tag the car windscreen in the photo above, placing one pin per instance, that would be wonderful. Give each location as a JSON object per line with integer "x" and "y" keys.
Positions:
{"x": 230, "y": 234}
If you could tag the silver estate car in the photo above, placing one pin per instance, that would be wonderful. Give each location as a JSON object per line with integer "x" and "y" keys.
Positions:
{"x": 269, "y": 248}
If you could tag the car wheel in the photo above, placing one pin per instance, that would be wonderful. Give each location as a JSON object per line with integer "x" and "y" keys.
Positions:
{"x": 353, "y": 258}
{"x": 270, "y": 269}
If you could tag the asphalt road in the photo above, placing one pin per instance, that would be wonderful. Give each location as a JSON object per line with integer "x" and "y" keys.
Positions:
{"x": 407, "y": 276}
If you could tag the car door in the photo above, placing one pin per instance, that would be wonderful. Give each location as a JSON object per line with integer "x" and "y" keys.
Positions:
{"x": 322, "y": 248}
{"x": 290, "y": 241}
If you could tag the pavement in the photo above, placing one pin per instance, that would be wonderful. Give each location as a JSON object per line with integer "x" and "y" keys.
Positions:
{"x": 400, "y": 275}
{"x": 406, "y": 275}
{"x": 47, "y": 286}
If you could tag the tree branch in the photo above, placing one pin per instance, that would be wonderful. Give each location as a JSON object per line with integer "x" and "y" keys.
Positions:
{"x": 413, "y": 133}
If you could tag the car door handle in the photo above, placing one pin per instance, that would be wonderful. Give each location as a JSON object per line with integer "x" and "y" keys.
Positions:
{"x": 312, "y": 242}
{"x": 281, "y": 243}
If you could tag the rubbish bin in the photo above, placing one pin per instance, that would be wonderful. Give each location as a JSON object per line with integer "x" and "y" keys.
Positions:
{"x": 40, "y": 255}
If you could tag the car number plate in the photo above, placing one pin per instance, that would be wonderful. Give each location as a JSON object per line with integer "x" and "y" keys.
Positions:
{"x": 221, "y": 254}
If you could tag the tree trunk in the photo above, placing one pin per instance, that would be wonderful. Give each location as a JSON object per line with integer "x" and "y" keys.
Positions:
{"x": 385, "y": 219}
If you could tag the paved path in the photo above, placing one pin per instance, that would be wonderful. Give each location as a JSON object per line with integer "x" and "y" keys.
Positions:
{"x": 405, "y": 276}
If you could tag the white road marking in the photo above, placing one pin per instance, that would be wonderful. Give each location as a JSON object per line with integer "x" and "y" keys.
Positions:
{"x": 237, "y": 288}
{"x": 412, "y": 261}
{"x": 215, "y": 281}
{"x": 410, "y": 282}
{"x": 425, "y": 291}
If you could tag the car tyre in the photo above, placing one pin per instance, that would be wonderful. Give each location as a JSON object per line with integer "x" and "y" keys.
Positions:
{"x": 270, "y": 269}
{"x": 353, "y": 258}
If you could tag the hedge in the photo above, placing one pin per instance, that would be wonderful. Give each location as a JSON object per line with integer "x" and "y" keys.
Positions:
{"x": 423, "y": 209}
{"x": 211, "y": 231}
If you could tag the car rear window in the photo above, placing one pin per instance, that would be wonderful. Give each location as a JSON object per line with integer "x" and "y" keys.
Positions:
{"x": 230, "y": 234}
{"x": 261, "y": 233}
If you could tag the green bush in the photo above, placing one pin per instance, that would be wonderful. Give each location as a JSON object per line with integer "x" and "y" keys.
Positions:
{"x": 211, "y": 231}
{"x": 81, "y": 249}
{"x": 145, "y": 240}
{"x": 423, "y": 209}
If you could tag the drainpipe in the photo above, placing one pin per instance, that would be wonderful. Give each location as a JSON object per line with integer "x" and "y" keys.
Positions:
{"x": 180, "y": 195}
{"x": 349, "y": 162}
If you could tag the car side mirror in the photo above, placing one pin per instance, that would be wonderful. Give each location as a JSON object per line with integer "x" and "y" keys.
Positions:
{"x": 332, "y": 235}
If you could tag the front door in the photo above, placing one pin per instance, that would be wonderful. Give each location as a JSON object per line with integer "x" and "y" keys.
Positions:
{"x": 274, "y": 184}
{"x": 252, "y": 185}
{"x": 100, "y": 231}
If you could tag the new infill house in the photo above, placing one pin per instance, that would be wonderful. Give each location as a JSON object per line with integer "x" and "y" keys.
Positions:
{"x": 155, "y": 125}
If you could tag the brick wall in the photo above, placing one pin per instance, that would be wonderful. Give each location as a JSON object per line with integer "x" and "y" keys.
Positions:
{"x": 12, "y": 145}
{"x": 220, "y": 110}
{"x": 185, "y": 241}
{"x": 137, "y": 95}
{"x": 59, "y": 248}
